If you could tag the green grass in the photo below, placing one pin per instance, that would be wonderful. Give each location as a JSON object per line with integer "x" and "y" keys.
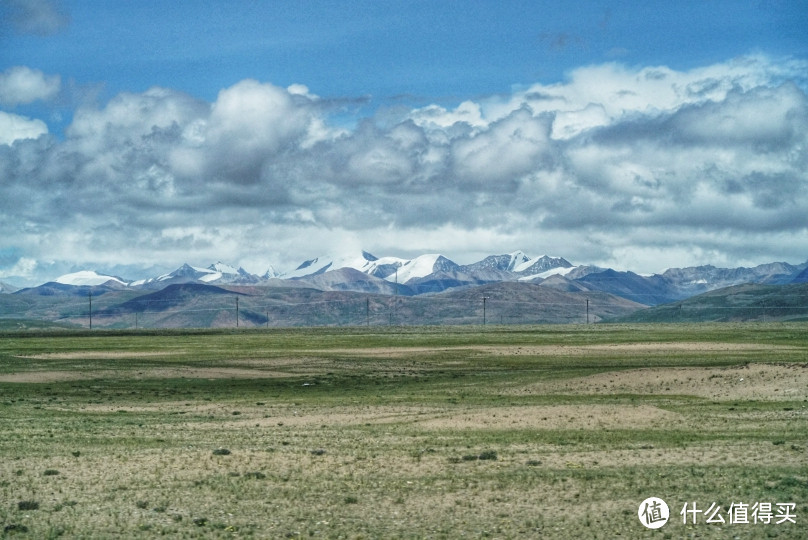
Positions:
{"x": 368, "y": 432}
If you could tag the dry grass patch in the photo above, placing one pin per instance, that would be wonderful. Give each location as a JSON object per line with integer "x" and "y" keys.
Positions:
{"x": 388, "y": 441}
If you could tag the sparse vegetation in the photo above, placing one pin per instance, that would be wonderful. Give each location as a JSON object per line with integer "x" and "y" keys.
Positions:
{"x": 507, "y": 432}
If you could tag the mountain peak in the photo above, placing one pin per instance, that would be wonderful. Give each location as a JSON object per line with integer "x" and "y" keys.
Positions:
{"x": 224, "y": 268}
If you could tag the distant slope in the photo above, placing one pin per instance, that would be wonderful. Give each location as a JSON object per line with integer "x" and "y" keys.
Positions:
{"x": 350, "y": 279}
{"x": 748, "y": 302}
{"x": 8, "y": 325}
{"x": 529, "y": 303}
{"x": 292, "y": 303}
{"x": 645, "y": 290}
{"x": 195, "y": 305}
{"x": 181, "y": 305}
{"x": 802, "y": 277}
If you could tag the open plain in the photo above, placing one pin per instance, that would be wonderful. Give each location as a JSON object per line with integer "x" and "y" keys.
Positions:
{"x": 402, "y": 432}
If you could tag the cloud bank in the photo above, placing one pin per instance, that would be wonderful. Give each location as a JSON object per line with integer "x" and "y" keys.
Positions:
{"x": 640, "y": 168}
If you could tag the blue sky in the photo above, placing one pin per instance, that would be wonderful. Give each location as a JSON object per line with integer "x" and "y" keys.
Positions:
{"x": 139, "y": 135}
{"x": 388, "y": 50}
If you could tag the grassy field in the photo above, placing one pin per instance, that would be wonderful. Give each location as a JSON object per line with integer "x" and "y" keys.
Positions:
{"x": 448, "y": 432}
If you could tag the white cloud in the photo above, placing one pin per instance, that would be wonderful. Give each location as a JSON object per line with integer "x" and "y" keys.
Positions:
{"x": 508, "y": 149}
{"x": 21, "y": 85}
{"x": 14, "y": 127}
{"x": 601, "y": 95}
{"x": 434, "y": 116}
{"x": 614, "y": 162}
{"x": 251, "y": 116}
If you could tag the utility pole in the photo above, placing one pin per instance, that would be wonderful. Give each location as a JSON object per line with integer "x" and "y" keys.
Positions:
{"x": 587, "y": 311}
{"x": 484, "y": 299}
{"x": 267, "y": 318}
{"x": 395, "y": 301}
{"x": 91, "y": 309}
{"x": 236, "y": 311}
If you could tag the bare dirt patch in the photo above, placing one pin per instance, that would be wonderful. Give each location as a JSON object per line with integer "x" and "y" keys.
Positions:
{"x": 99, "y": 355}
{"x": 649, "y": 455}
{"x": 556, "y": 417}
{"x": 752, "y": 381}
{"x": 608, "y": 349}
{"x": 47, "y": 376}
{"x": 495, "y": 418}
{"x": 556, "y": 350}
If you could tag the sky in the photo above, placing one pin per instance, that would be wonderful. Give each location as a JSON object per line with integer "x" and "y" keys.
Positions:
{"x": 137, "y": 136}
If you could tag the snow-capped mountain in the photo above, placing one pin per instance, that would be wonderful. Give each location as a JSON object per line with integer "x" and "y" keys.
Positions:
{"x": 421, "y": 267}
{"x": 492, "y": 268}
{"x": 88, "y": 278}
{"x": 546, "y": 265}
{"x": 205, "y": 275}
{"x": 497, "y": 267}
{"x": 363, "y": 262}
{"x": 500, "y": 263}
{"x": 271, "y": 273}
{"x": 219, "y": 273}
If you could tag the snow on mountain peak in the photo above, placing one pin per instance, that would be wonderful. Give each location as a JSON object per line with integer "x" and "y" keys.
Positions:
{"x": 271, "y": 273}
{"x": 519, "y": 256}
{"x": 418, "y": 267}
{"x": 224, "y": 268}
{"x": 86, "y": 278}
{"x": 364, "y": 262}
{"x": 519, "y": 261}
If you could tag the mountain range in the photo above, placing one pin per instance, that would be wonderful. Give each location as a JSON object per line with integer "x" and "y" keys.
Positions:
{"x": 428, "y": 289}
{"x": 434, "y": 273}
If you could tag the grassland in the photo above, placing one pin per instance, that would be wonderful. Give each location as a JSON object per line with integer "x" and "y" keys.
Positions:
{"x": 463, "y": 432}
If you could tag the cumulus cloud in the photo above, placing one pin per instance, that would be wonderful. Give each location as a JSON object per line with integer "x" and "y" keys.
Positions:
{"x": 21, "y": 85}
{"x": 612, "y": 163}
